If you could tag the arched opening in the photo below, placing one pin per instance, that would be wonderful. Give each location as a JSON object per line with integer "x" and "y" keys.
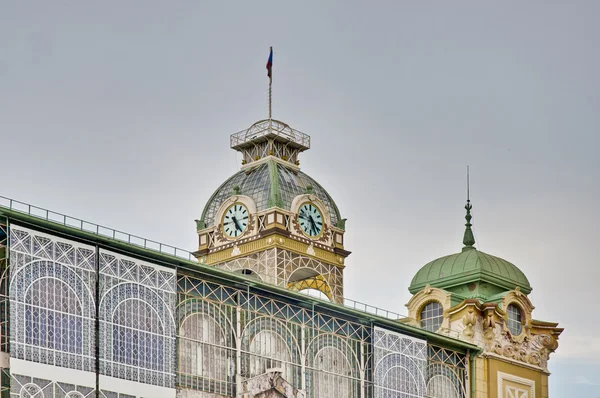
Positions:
{"x": 137, "y": 335}
{"x": 268, "y": 343}
{"x": 332, "y": 368}
{"x": 307, "y": 279}
{"x": 315, "y": 293}
{"x": 333, "y": 376}
{"x": 440, "y": 386}
{"x": 401, "y": 380}
{"x": 53, "y": 316}
{"x": 203, "y": 349}
{"x": 267, "y": 351}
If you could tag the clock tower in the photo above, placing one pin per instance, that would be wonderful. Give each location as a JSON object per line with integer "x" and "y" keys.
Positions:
{"x": 272, "y": 222}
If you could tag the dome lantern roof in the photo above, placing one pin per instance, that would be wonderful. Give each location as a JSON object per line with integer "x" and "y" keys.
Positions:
{"x": 270, "y": 172}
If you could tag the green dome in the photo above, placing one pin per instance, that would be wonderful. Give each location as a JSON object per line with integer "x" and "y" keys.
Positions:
{"x": 269, "y": 184}
{"x": 471, "y": 265}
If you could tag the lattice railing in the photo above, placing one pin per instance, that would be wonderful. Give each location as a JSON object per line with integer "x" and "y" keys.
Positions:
{"x": 267, "y": 127}
{"x": 86, "y": 226}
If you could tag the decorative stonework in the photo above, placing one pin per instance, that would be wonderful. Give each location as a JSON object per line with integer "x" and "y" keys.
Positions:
{"x": 533, "y": 350}
{"x": 485, "y": 325}
{"x": 511, "y": 386}
{"x": 424, "y": 297}
{"x": 270, "y": 385}
{"x": 469, "y": 320}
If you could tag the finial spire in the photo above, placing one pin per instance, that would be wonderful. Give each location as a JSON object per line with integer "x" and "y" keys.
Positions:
{"x": 468, "y": 239}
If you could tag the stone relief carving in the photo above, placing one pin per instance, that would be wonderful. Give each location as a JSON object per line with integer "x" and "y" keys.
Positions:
{"x": 270, "y": 385}
{"x": 469, "y": 320}
{"x": 534, "y": 350}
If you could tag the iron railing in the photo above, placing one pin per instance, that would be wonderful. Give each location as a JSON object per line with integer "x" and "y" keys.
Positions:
{"x": 270, "y": 127}
{"x": 96, "y": 229}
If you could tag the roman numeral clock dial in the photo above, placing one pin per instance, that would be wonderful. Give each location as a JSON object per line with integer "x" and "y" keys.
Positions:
{"x": 310, "y": 220}
{"x": 235, "y": 220}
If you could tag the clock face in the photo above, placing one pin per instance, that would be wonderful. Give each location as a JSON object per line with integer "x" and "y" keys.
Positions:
{"x": 235, "y": 220}
{"x": 310, "y": 220}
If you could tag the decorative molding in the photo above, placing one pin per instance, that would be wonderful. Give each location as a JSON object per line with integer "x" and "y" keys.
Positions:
{"x": 424, "y": 297}
{"x": 251, "y": 245}
{"x": 528, "y": 384}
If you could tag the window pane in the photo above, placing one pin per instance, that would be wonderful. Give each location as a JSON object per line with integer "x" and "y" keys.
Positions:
{"x": 432, "y": 316}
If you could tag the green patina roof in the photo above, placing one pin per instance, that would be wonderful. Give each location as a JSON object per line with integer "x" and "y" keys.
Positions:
{"x": 269, "y": 184}
{"x": 469, "y": 266}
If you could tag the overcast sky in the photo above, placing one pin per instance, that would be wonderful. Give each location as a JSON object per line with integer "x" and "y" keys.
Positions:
{"x": 120, "y": 113}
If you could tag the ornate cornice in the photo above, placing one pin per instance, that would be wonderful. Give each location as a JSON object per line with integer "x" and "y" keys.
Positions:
{"x": 485, "y": 324}
{"x": 255, "y": 244}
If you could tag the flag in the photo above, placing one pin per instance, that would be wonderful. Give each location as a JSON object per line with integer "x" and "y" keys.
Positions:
{"x": 270, "y": 64}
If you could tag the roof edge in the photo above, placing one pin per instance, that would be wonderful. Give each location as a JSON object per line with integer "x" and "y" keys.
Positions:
{"x": 470, "y": 276}
{"x": 237, "y": 280}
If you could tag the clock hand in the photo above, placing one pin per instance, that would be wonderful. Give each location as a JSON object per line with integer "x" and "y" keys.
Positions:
{"x": 312, "y": 225}
{"x": 237, "y": 225}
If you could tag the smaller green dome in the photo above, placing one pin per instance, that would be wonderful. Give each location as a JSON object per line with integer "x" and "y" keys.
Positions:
{"x": 470, "y": 265}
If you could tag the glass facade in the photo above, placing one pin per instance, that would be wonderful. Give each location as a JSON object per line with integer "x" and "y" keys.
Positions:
{"x": 254, "y": 182}
{"x": 515, "y": 321}
{"x": 293, "y": 183}
{"x": 181, "y": 333}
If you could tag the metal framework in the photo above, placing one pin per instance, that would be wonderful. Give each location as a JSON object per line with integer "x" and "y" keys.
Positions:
{"x": 137, "y": 324}
{"x": 180, "y": 330}
{"x": 288, "y": 269}
{"x": 148, "y": 244}
{"x": 270, "y": 138}
{"x": 267, "y": 128}
{"x": 52, "y": 295}
{"x": 246, "y": 334}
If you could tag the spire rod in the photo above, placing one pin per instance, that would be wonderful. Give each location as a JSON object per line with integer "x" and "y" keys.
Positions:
{"x": 468, "y": 183}
{"x": 468, "y": 239}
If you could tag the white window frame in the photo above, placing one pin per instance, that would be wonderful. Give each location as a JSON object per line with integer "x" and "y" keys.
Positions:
{"x": 502, "y": 377}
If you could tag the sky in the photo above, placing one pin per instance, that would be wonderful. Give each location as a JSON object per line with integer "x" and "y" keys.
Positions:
{"x": 120, "y": 113}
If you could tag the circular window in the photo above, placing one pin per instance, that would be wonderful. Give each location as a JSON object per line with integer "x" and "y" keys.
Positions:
{"x": 515, "y": 319}
{"x": 74, "y": 394}
{"x": 432, "y": 316}
{"x": 31, "y": 390}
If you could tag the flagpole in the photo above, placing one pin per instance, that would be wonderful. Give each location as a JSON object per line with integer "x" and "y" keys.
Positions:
{"x": 270, "y": 89}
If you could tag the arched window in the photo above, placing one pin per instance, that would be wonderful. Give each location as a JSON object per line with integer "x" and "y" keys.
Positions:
{"x": 515, "y": 319}
{"x": 202, "y": 349}
{"x": 332, "y": 376}
{"x": 268, "y": 350}
{"x": 138, "y": 335}
{"x": 441, "y": 386}
{"x": 432, "y": 316}
{"x": 401, "y": 380}
{"x": 53, "y": 317}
